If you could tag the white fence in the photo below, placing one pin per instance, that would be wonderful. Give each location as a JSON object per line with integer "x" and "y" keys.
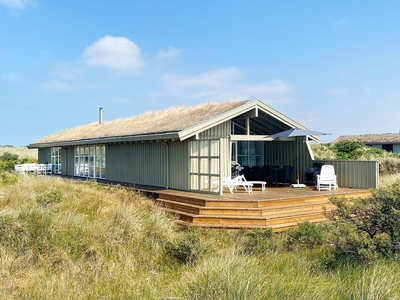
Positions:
{"x": 42, "y": 169}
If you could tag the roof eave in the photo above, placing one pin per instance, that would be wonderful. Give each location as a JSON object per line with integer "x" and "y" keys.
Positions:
{"x": 108, "y": 140}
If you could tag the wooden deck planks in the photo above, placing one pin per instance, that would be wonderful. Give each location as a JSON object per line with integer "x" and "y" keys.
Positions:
{"x": 278, "y": 207}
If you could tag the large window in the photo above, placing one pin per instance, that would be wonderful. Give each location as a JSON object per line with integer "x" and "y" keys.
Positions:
{"x": 56, "y": 160}
{"x": 90, "y": 161}
{"x": 204, "y": 165}
{"x": 248, "y": 153}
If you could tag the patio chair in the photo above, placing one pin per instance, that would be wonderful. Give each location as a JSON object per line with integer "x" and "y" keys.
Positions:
{"x": 49, "y": 169}
{"x": 253, "y": 182}
{"x": 233, "y": 183}
{"x": 41, "y": 169}
{"x": 327, "y": 178}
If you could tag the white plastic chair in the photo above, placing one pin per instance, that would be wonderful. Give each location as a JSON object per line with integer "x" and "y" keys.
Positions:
{"x": 327, "y": 178}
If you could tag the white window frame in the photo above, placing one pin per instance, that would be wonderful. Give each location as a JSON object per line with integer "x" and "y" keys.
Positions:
{"x": 90, "y": 161}
{"x": 56, "y": 160}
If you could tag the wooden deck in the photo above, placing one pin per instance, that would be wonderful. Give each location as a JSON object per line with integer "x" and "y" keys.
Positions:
{"x": 281, "y": 208}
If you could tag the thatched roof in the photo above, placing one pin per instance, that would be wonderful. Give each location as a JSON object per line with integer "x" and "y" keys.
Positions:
{"x": 383, "y": 138}
{"x": 153, "y": 122}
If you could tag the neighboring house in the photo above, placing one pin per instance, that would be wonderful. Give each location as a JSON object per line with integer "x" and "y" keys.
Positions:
{"x": 183, "y": 148}
{"x": 386, "y": 141}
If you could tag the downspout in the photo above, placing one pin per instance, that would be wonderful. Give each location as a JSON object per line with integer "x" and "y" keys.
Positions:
{"x": 166, "y": 144}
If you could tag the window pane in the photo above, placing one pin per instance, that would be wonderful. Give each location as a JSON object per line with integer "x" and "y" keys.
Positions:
{"x": 194, "y": 165}
{"x": 204, "y": 168}
{"x": 195, "y": 148}
{"x": 214, "y": 166}
{"x": 205, "y": 183}
{"x": 204, "y": 148}
{"x": 194, "y": 182}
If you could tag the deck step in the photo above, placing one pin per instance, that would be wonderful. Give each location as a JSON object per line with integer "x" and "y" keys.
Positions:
{"x": 240, "y": 211}
{"x": 278, "y": 219}
{"x": 245, "y": 211}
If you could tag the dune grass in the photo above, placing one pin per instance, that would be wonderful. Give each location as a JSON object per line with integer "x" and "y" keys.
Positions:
{"x": 61, "y": 239}
{"x": 20, "y": 151}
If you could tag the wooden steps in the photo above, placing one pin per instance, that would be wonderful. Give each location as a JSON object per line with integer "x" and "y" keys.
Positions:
{"x": 244, "y": 211}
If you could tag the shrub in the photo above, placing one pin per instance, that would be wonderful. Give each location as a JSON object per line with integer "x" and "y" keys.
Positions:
{"x": 307, "y": 235}
{"x": 368, "y": 228}
{"x": 186, "y": 249}
{"x": 258, "y": 241}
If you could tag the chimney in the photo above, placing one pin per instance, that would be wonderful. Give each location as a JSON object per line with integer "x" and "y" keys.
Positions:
{"x": 100, "y": 115}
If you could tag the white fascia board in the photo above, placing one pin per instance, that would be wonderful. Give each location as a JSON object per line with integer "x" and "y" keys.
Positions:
{"x": 189, "y": 132}
{"x": 255, "y": 104}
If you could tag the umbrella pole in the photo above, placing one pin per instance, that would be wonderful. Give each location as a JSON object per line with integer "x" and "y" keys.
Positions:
{"x": 298, "y": 184}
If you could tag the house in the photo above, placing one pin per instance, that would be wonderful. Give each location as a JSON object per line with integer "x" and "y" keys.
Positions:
{"x": 183, "y": 148}
{"x": 386, "y": 141}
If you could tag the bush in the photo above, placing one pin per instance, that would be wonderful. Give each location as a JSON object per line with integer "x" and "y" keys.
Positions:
{"x": 187, "y": 249}
{"x": 307, "y": 235}
{"x": 368, "y": 228}
{"x": 258, "y": 241}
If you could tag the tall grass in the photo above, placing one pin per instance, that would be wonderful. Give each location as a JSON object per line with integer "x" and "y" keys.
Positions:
{"x": 20, "y": 151}
{"x": 61, "y": 239}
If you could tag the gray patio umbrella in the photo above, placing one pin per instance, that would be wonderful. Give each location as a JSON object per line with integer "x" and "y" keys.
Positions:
{"x": 296, "y": 132}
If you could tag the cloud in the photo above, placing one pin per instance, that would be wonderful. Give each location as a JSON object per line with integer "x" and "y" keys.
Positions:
{"x": 336, "y": 91}
{"x": 18, "y": 4}
{"x": 13, "y": 78}
{"x": 170, "y": 54}
{"x": 117, "y": 54}
{"x": 221, "y": 84}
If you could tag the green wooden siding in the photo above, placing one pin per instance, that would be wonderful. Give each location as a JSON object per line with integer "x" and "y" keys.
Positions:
{"x": 178, "y": 165}
{"x": 284, "y": 154}
{"x": 139, "y": 163}
{"x": 355, "y": 173}
{"x": 44, "y": 155}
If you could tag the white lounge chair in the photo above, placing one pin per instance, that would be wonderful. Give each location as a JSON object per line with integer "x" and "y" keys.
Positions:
{"x": 327, "y": 178}
{"x": 233, "y": 183}
{"x": 263, "y": 183}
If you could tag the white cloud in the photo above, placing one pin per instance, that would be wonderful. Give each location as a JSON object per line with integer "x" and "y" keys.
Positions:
{"x": 167, "y": 55}
{"x": 13, "y": 78}
{"x": 221, "y": 84}
{"x": 366, "y": 89}
{"x": 18, "y": 4}
{"x": 336, "y": 91}
{"x": 116, "y": 54}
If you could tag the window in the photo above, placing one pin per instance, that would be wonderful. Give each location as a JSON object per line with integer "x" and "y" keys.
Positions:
{"x": 56, "y": 160}
{"x": 204, "y": 165}
{"x": 90, "y": 161}
{"x": 248, "y": 153}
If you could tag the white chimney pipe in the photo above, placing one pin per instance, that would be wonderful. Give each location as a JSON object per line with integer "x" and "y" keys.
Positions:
{"x": 100, "y": 115}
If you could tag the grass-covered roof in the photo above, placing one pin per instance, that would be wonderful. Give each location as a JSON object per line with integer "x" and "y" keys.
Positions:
{"x": 153, "y": 122}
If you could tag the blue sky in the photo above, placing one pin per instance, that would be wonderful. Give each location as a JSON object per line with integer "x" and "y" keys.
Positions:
{"x": 331, "y": 65}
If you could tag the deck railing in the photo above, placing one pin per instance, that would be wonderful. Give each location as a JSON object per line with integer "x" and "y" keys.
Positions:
{"x": 355, "y": 173}
{"x": 43, "y": 169}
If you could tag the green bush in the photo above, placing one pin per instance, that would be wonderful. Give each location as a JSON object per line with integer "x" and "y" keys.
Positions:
{"x": 307, "y": 235}
{"x": 187, "y": 249}
{"x": 259, "y": 241}
{"x": 368, "y": 228}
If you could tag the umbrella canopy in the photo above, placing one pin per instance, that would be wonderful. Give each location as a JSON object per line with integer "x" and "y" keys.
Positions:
{"x": 296, "y": 132}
